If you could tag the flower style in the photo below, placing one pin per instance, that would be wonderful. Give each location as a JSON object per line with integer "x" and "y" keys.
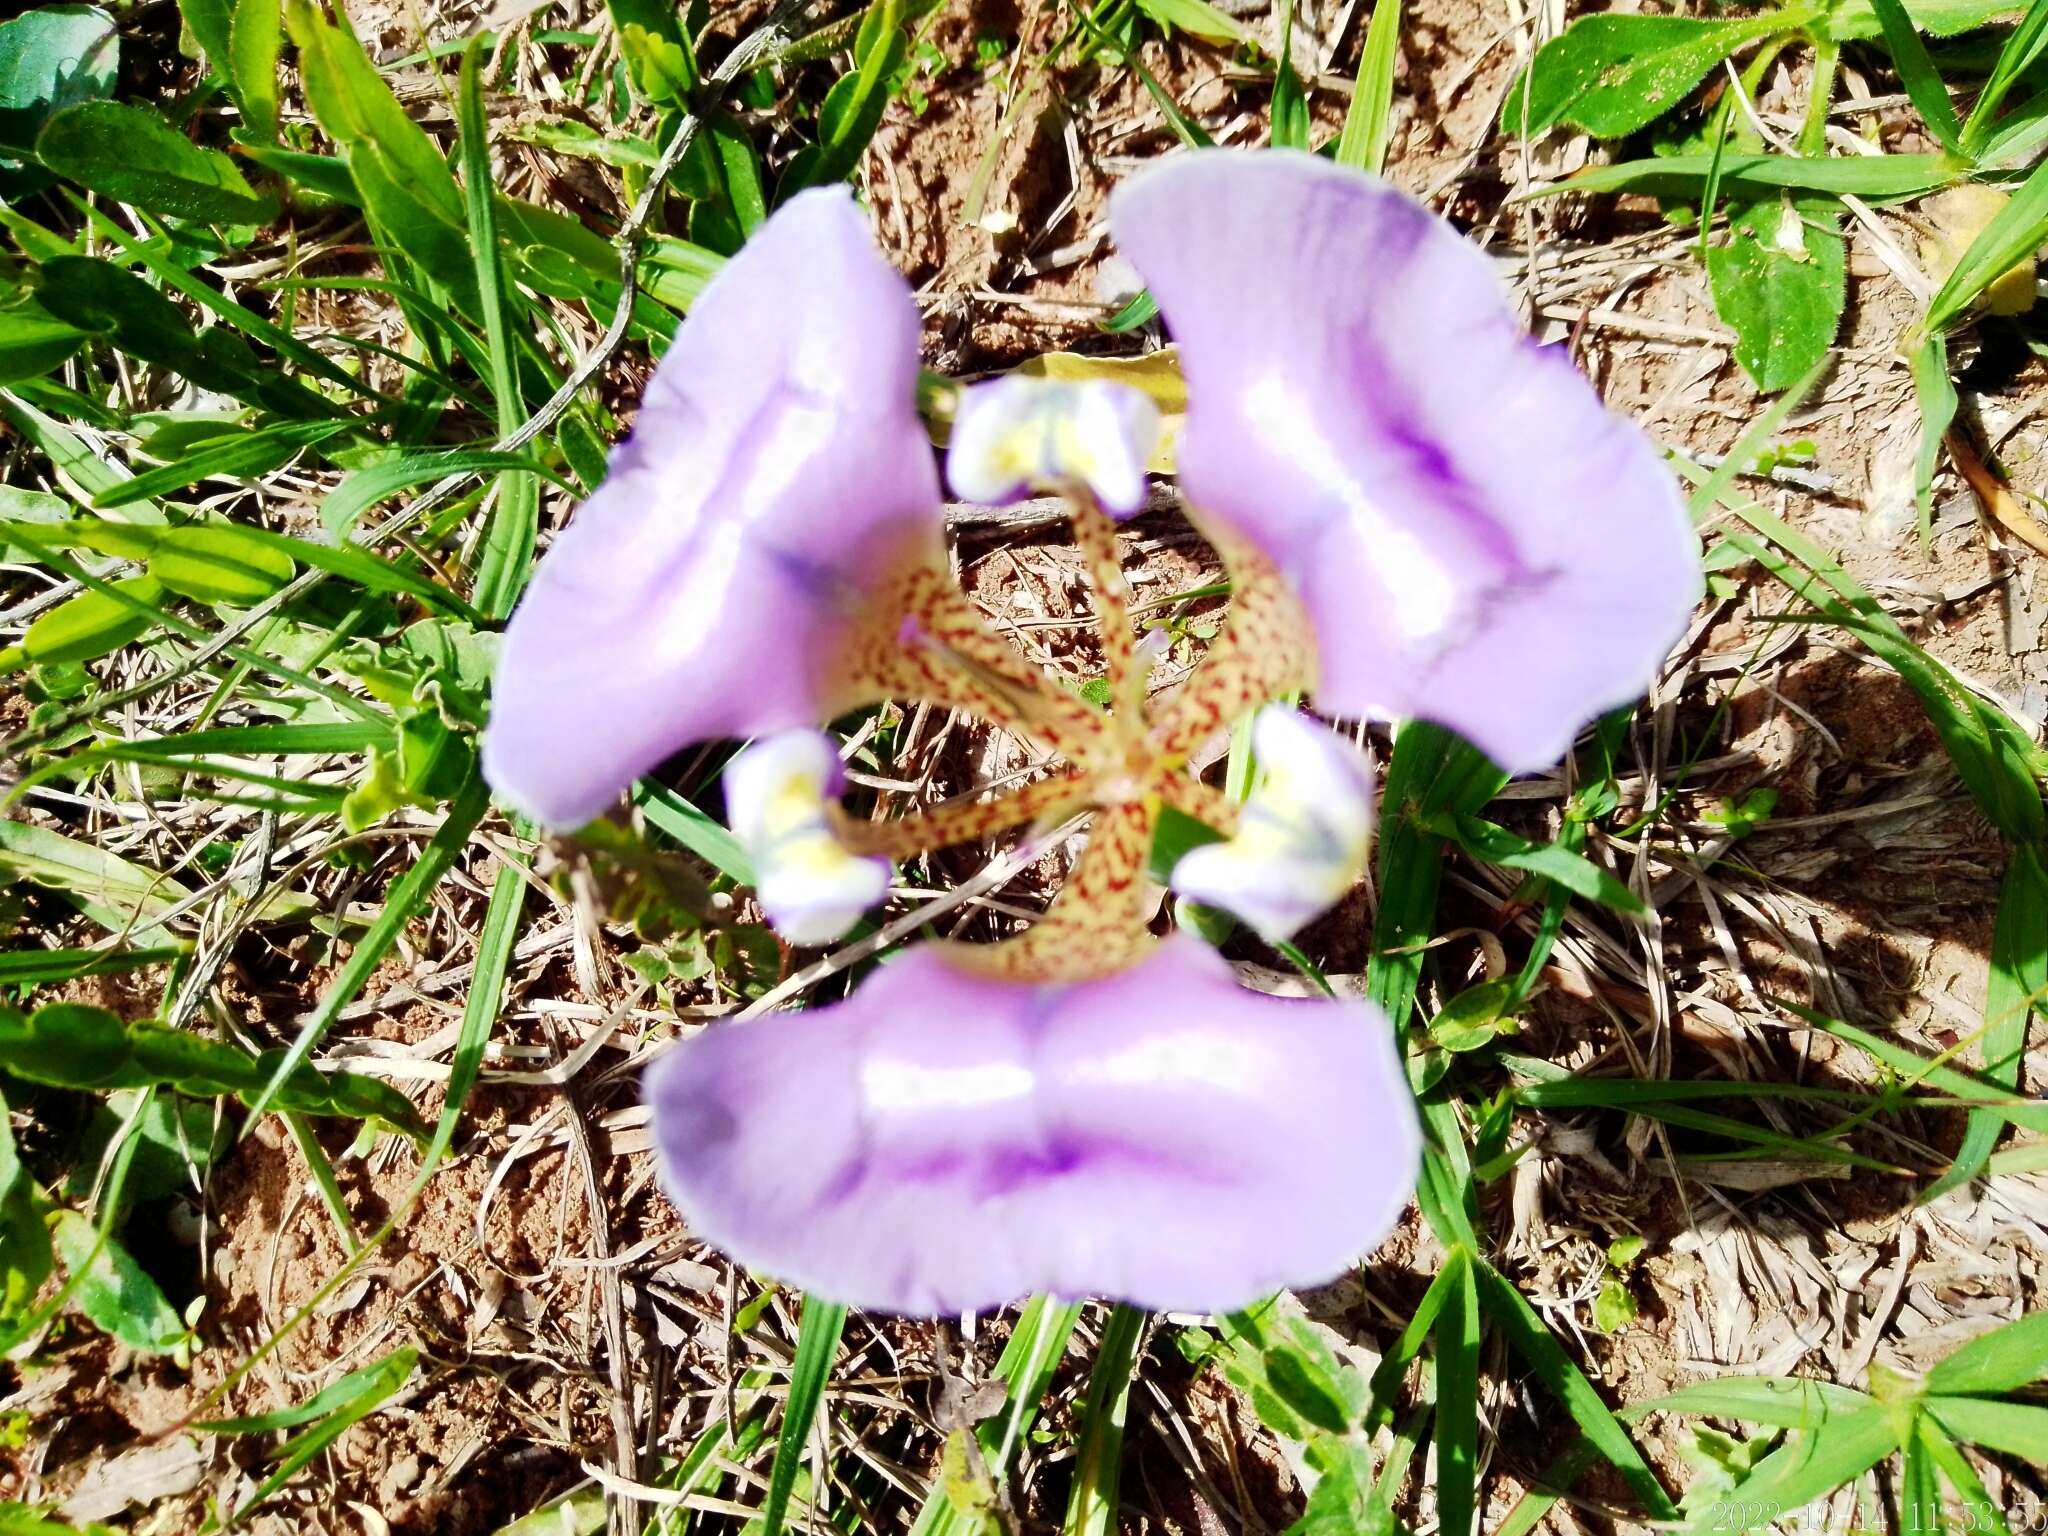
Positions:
{"x": 1421, "y": 513}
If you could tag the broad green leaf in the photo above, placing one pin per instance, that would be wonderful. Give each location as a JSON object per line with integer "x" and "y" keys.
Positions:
{"x": 1856, "y": 19}
{"x": 2017, "y": 1429}
{"x": 1611, "y": 75}
{"x": 1810, "y": 1464}
{"x": 403, "y": 178}
{"x": 2002, "y": 1360}
{"x": 33, "y": 341}
{"x": 88, "y": 626}
{"x": 132, "y": 155}
{"x": 52, "y": 57}
{"x": 1198, "y": 18}
{"x": 1341, "y": 1503}
{"x": 25, "y": 1257}
{"x": 852, "y": 109}
{"x": 208, "y": 21}
{"x": 255, "y": 39}
{"x": 1780, "y": 280}
{"x": 113, "y": 1290}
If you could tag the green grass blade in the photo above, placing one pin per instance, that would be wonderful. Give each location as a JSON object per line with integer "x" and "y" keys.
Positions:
{"x": 1918, "y": 75}
{"x": 817, "y": 1342}
{"x": 375, "y": 1386}
{"x": 2023, "y": 46}
{"x": 1092, "y": 1504}
{"x": 1935, "y": 393}
{"x": 1369, "y": 122}
{"x": 1457, "y": 1406}
{"x": 1978, "y": 1512}
{"x": 509, "y": 537}
{"x": 1532, "y": 1340}
{"x": 2012, "y": 236}
{"x": 1026, "y": 1366}
{"x": 40, "y": 967}
{"x": 408, "y": 894}
{"x": 2017, "y": 988}
{"x": 1431, "y": 771}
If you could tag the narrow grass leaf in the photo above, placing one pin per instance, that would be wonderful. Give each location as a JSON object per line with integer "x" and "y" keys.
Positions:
{"x": 371, "y": 1388}
{"x": 2015, "y": 990}
{"x": 2023, "y": 46}
{"x": 121, "y": 897}
{"x": 363, "y": 489}
{"x": 817, "y": 1343}
{"x": 1369, "y": 121}
{"x": 1457, "y": 1406}
{"x": 1882, "y": 177}
{"x": 406, "y": 896}
{"x": 1978, "y": 1513}
{"x": 1531, "y": 1339}
{"x": 1918, "y": 75}
{"x": 1092, "y": 1501}
{"x": 1935, "y": 393}
{"x": 40, "y": 967}
{"x": 1788, "y": 1402}
{"x": 2014, "y": 233}
{"x": 509, "y": 536}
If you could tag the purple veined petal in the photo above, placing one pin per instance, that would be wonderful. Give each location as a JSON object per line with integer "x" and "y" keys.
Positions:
{"x": 943, "y": 1142}
{"x": 778, "y": 468}
{"x": 1477, "y": 539}
{"x": 1019, "y": 433}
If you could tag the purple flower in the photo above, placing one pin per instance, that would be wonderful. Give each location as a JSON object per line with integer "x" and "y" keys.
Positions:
{"x": 778, "y": 476}
{"x": 1476, "y": 539}
{"x": 943, "y": 1142}
{"x": 1422, "y": 514}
